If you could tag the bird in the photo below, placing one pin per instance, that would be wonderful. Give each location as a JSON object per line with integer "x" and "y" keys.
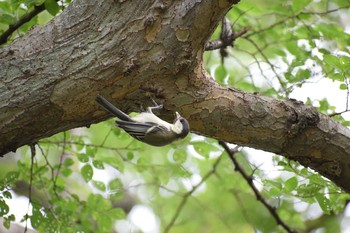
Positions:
{"x": 146, "y": 126}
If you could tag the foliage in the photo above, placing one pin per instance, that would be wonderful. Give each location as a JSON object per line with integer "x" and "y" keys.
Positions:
{"x": 87, "y": 180}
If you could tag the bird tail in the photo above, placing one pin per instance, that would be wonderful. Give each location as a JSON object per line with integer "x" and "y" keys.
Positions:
{"x": 111, "y": 108}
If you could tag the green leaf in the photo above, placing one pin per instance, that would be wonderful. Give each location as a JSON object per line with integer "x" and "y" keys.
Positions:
{"x": 324, "y": 105}
{"x": 66, "y": 171}
{"x": 7, "y": 18}
{"x": 11, "y": 217}
{"x": 31, "y": 3}
{"x": 293, "y": 48}
{"x": 302, "y": 75}
{"x": 204, "y": 148}
{"x": 84, "y": 158}
{"x": 7, "y": 223}
{"x": 60, "y": 183}
{"x": 115, "y": 185}
{"x": 87, "y": 172}
{"x": 278, "y": 7}
{"x": 7, "y": 194}
{"x": 274, "y": 192}
{"x": 336, "y": 77}
{"x": 91, "y": 151}
{"x": 324, "y": 203}
{"x": 104, "y": 222}
{"x": 115, "y": 188}
{"x": 4, "y": 209}
{"x": 345, "y": 62}
{"x": 5, "y": 7}
{"x": 298, "y": 5}
{"x": 68, "y": 162}
{"x": 273, "y": 183}
{"x": 333, "y": 61}
{"x": 11, "y": 177}
{"x": 117, "y": 213}
{"x": 343, "y": 86}
{"x": 180, "y": 156}
{"x": 98, "y": 164}
{"x": 52, "y": 7}
{"x": 99, "y": 185}
{"x": 220, "y": 74}
{"x": 130, "y": 155}
{"x": 291, "y": 183}
{"x": 142, "y": 163}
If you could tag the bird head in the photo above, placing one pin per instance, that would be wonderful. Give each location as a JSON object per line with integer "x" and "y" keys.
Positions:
{"x": 181, "y": 126}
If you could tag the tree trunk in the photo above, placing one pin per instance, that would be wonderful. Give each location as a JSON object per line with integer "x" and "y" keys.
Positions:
{"x": 127, "y": 51}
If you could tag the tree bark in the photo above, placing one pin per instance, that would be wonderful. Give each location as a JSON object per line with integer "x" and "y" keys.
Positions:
{"x": 127, "y": 51}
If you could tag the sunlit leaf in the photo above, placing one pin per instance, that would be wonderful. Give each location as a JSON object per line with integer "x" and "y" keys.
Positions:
{"x": 291, "y": 183}
{"x": 99, "y": 185}
{"x": 52, "y": 7}
{"x": 84, "y": 158}
{"x": 343, "y": 86}
{"x": 115, "y": 185}
{"x": 66, "y": 172}
{"x": 68, "y": 162}
{"x": 98, "y": 164}
{"x": 203, "y": 148}
{"x": 298, "y": 5}
{"x": 87, "y": 172}
{"x": 4, "y": 209}
{"x": 324, "y": 202}
{"x": 180, "y": 156}
{"x": 220, "y": 74}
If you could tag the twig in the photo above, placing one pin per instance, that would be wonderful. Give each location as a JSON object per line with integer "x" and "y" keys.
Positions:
{"x": 189, "y": 193}
{"x": 106, "y": 137}
{"x": 218, "y": 44}
{"x": 47, "y": 162}
{"x": 59, "y": 143}
{"x": 24, "y": 19}
{"x": 284, "y": 20}
{"x": 61, "y": 161}
{"x": 338, "y": 113}
{"x": 249, "y": 180}
{"x": 283, "y": 85}
{"x": 32, "y": 155}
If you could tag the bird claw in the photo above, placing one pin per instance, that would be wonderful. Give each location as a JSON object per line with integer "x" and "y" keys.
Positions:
{"x": 157, "y": 106}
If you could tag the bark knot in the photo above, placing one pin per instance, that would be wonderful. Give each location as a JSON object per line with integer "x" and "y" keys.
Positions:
{"x": 301, "y": 117}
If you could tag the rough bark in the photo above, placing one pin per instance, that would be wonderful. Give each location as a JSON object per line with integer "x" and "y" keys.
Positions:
{"x": 126, "y": 51}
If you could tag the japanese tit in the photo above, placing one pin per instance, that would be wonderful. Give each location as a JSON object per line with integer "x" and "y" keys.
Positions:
{"x": 147, "y": 127}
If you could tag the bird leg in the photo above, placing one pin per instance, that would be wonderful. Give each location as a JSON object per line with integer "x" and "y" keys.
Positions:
{"x": 157, "y": 106}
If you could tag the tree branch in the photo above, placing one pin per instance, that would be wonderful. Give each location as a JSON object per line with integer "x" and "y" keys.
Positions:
{"x": 32, "y": 155}
{"x": 189, "y": 193}
{"x": 24, "y": 19}
{"x": 218, "y": 44}
{"x": 231, "y": 153}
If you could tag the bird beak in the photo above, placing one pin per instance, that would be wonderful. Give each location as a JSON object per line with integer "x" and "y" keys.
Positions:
{"x": 177, "y": 116}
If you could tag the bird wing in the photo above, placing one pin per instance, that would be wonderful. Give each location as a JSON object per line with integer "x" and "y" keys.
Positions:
{"x": 139, "y": 130}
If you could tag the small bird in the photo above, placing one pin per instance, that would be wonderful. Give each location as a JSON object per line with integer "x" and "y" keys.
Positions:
{"x": 147, "y": 127}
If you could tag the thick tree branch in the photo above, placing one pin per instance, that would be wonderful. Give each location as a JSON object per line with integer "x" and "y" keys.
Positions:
{"x": 120, "y": 49}
{"x": 130, "y": 52}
